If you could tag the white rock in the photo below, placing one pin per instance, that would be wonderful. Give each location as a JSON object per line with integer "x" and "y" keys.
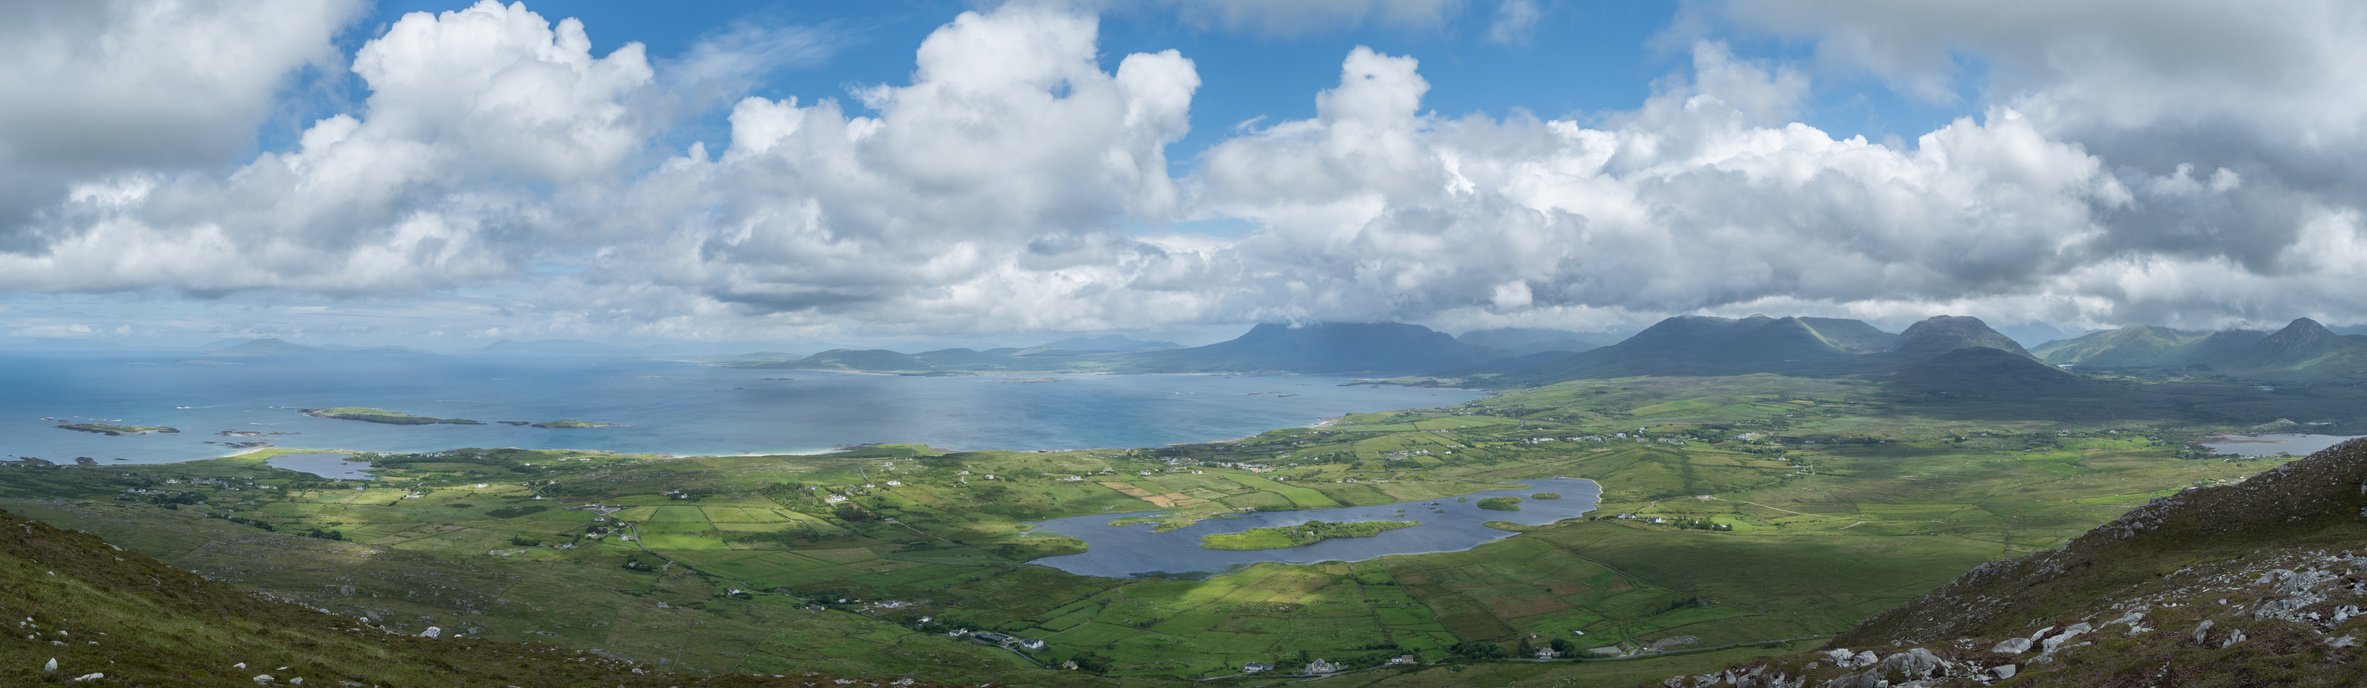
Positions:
{"x": 263, "y": 679}
{"x": 2233, "y": 637}
{"x": 2012, "y": 646}
{"x": 2003, "y": 671}
{"x": 51, "y": 667}
{"x": 240, "y": 665}
{"x": 432, "y": 632}
{"x": 93, "y": 676}
{"x": 2074, "y": 631}
{"x": 2202, "y": 631}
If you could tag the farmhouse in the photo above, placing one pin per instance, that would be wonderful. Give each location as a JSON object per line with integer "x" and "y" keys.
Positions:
{"x": 1256, "y": 668}
{"x": 1320, "y": 667}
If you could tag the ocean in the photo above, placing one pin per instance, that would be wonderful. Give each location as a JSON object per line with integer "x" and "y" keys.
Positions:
{"x": 664, "y": 407}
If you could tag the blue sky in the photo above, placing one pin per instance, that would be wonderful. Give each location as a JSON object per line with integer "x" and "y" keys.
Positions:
{"x": 1579, "y": 60}
{"x": 449, "y": 173}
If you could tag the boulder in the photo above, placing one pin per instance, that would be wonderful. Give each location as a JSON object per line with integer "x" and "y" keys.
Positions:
{"x": 2012, "y": 646}
{"x": 1913, "y": 664}
{"x": 432, "y": 632}
{"x": 2073, "y": 631}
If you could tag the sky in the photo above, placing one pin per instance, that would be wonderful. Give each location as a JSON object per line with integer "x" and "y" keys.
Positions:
{"x": 446, "y": 174}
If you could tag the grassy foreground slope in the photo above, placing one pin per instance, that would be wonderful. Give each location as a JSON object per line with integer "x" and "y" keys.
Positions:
{"x": 94, "y": 608}
{"x": 2251, "y": 584}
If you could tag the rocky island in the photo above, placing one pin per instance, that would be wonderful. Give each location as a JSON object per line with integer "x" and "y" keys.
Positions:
{"x": 383, "y": 416}
{"x": 113, "y": 430}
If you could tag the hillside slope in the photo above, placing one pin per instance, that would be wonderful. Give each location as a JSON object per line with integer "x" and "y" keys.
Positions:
{"x": 2252, "y": 584}
{"x": 2302, "y": 350}
{"x": 96, "y": 609}
{"x": 1945, "y": 333}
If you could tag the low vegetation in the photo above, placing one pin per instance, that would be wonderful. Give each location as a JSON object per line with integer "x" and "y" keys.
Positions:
{"x": 1500, "y": 504}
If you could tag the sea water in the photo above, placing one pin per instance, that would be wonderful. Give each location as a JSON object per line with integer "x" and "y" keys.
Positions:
{"x": 665, "y": 407}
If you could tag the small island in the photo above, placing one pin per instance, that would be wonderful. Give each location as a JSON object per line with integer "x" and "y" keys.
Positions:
{"x": 113, "y": 430}
{"x": 383, "y": 416}
{"x": 1500, "y": 503}
{"x": 573, "y": 424}
{"x": 1546, "y": 495}
{"x": 1300, "y": 535}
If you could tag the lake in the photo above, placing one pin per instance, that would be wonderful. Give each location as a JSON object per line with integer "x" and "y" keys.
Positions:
{"x": 666, "y": 407}
{"x": 2274, "y": 444}
{"x": 1448, "y": 525}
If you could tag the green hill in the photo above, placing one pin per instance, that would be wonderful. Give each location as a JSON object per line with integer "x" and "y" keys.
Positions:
{"x": 2127, "y": 347}
{"x": 2255, "y": 583}
{"x": 2302, "y": 350}
{"x": 1942, "y": 334}
{"x": 98, "y": 609}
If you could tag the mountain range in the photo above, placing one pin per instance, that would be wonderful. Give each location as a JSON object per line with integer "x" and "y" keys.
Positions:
{"x": 1678, "y": 346}
{"x": 1924, "y": 356}
{"x": 1930, "y": 353}
{"x": 2302, "y": 349}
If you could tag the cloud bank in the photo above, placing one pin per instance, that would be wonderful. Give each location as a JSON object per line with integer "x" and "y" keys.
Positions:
{"x": 2190, "y": 169}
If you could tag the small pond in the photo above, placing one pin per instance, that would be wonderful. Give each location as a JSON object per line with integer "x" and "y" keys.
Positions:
{"x": 1449, "y": 524}
{"x": 2272, "y": 445}
{"x": 326, "y": 465}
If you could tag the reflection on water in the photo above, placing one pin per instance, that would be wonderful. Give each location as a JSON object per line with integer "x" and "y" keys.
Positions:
{"x": 1449, "y": 524}
{"x": 326, "y": 465}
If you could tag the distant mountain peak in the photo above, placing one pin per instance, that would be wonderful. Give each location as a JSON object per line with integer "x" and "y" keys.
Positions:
{"x": 1945, "y": 333}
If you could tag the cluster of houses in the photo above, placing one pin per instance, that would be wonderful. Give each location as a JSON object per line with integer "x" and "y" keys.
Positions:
{"x": 1323, "y": 667}
{"x": 1001, "y": 640}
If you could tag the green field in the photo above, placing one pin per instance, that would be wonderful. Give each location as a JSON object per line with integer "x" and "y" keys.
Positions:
{"x": 1741, "y": 516}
